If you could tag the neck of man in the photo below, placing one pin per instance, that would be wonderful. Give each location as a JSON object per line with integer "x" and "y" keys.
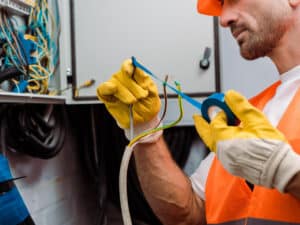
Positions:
{"x": 286, "y": 57}
{"x": 287, "y": 53}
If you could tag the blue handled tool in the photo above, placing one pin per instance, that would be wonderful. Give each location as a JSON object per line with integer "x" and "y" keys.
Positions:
{"x": 216, "y": 99}
{"x": 12, "y": 207}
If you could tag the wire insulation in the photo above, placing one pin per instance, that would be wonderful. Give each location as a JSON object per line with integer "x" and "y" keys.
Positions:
{"x": 126, "y": 158}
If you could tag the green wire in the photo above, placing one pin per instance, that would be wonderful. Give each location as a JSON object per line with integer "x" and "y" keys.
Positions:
{"x": 143, "y": 134}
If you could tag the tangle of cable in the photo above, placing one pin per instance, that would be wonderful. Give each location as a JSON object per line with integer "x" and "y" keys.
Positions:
{"x": 39, "y": 32}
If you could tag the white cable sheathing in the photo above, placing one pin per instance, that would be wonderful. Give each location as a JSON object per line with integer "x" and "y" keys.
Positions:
{"x": 123, "y": 176}
{"x": 123, "y": 185}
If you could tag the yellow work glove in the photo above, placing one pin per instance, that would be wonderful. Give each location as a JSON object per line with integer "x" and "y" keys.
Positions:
{"x": 253, "y": 149}
{"x": 131, "y": 87}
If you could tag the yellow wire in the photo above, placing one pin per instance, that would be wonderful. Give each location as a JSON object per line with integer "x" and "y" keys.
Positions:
{"x": 15, "y": 39}
{"x": 10, "y": 44}
{"x": 41, "y": 36}
{"x": 41, "y": 73}
{"x": 87, "y": 83}
{"x": 35, "y": 87}
{"x": 9, "y": 53}
{"x": 37, "y": 78}
{"x": 50, "y": 14}
{"x": 138, "y": 137}
{"x": 41, "y": 68}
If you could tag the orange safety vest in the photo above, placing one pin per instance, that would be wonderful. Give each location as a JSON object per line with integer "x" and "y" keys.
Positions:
{"x": 230, "y": 201}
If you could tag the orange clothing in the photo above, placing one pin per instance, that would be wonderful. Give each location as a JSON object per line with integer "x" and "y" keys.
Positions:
{"x": 229, "y": 200}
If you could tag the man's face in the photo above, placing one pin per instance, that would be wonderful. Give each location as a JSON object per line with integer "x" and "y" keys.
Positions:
{"x": 257, "y": 25}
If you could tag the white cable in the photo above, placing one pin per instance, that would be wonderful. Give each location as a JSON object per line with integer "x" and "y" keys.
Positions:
{"x": 123, "y": 176}
{"x": 123, "y": 186}
{"x": 124, "y": 167}
{"x": 131, "y": 122}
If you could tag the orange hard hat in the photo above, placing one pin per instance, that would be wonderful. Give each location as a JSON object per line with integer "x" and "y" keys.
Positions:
{"x": 210, "y": 7}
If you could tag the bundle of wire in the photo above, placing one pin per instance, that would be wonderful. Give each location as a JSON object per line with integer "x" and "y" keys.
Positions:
{"x": 129, "y": 150}
{"x": 30, "y": 48}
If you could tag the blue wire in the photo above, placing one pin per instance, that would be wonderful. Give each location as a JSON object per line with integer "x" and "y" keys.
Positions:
{"x": 192, "y": 101}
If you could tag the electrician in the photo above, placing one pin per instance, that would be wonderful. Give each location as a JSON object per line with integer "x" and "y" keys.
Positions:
{"x": 252, "y": 174}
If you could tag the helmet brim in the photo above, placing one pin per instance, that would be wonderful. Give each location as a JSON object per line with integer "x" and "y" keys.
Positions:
{"x": 209, "y": 7}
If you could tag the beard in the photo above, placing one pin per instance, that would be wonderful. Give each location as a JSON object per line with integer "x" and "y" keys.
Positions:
{"x": 261, "y": 42}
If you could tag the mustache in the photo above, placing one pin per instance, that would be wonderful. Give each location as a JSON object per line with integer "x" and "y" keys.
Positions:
{"x": 237, "y": 28}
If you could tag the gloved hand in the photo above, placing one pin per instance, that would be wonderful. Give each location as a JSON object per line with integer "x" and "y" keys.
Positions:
{"x": 254, "y": 149}
{"x": 131, "y": 87}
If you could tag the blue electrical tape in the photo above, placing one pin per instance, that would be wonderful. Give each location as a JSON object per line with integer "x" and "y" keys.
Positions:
{"x": 216, "y": 99}
{"x": 29, "y": 47}
{"x": 12, "y": 208}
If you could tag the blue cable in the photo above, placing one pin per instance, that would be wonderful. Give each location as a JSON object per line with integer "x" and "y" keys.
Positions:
{"x": 216, "y": 99}
{"x": 195, "y": 103}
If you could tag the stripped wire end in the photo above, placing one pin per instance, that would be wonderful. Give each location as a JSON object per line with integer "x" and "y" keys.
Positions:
{"x": 165, "y": 83}
{"x": 172, "y": 124}
{"x": 177, "y": 84}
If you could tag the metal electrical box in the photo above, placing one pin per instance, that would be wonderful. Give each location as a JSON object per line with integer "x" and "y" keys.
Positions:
{"x": 169, "y": 37}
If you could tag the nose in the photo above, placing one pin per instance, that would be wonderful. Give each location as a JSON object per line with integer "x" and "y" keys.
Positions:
{"x": 228, "y": 15}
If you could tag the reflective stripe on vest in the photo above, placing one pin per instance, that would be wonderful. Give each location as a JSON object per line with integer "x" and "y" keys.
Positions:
{"x": 230, "y": 201}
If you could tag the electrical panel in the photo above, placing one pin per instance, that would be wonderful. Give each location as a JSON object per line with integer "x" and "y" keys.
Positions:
{"x": 65, "y": 49}
{"x": 169, "y": 37}
{"x": 29, "y": 51}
